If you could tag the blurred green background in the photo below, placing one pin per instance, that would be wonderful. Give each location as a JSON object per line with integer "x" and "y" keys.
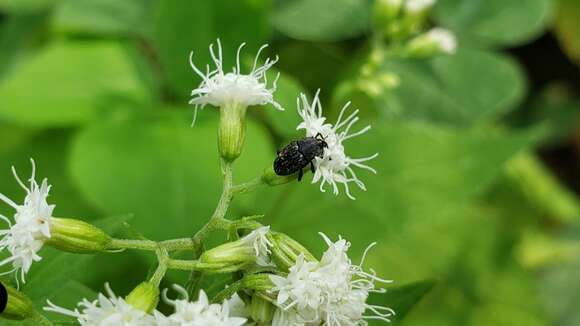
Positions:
{"x": 478, "y": 169}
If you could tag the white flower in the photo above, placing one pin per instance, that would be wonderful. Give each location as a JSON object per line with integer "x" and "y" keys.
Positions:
{"x": 444, "y": 39}
{"x": 218, "y": 88}
{"x": 197, "y": 313}
{"x": 259, "y": 241}
{"x": 332, "y": 292}
{"x": 335, "y": 166}
{"x": 418, "y": 5}
{"x": 105, "y": 311}
{"x": 26, "y": 236}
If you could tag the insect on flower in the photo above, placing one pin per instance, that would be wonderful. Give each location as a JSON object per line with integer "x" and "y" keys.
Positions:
{"x": 298, "y": 154}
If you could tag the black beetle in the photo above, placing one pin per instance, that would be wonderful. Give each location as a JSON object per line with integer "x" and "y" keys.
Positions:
{"x": 3, "y": 297}
{"x": 298, "y": 154}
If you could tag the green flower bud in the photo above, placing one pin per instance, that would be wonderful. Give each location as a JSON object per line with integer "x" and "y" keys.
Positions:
{"x": 144, "y": 297}
{"x": 76, "y": 236}
{"x": 270, "y": 177}
{"x": 385, "y": 11}
{"x": 233, "y": 256}
{"x": 434, "y": 42}
{"x": 261, "y": 310}
{"x": 285, "y": 250}
{"x": 232, "y": 131}
{"x": 15, "y": 305}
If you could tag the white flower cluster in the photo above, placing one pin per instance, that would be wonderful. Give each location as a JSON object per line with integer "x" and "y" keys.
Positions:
{"x": 198, "y": 313}
{"x": 332, "y": 292}
{"x": 444, "y": 39}
{"x": 418, "y": 5}
{"x": 31, "y": 227}
{"x": 108, "y": 310}
{"x": 260, "y": 243}
{"x": 234, "y": 88}
{"x": 335, "y": 167}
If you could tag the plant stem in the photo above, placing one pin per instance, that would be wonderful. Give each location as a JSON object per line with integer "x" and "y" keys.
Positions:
{"x": 169, "y": 245}
{"x": 163, "y": 258}
{"x": 248, "y": 186}
{"x": 217, "y": 220}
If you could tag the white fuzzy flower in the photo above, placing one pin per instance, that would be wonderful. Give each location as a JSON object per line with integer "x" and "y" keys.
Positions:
{"x": 259, "y": 241}
{"x": 234, "y": 88}
{"x": 414, "y": 6}
{"x": 107, "y": 310}
{"x": 332, "y": 292}
{"x": 197, "y": 313}
{"x": 31, "y": 227}
{"x": 444, "y": 39}
{"x": 335, "y": 167}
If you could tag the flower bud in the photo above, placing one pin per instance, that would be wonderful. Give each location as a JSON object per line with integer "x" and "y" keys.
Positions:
{"x": 270, "y": 177}
{"x": 14, "y": 305}
{"x": 434, "y": 42}
{"x": 233, "y": 256}
{"x": 285, "y": 250}
{"x": 261, "y": 310}
{"x": 385, "y": 11}
{"x": 144, "y": 297}
{"x": 76, "y": 236}
{"x": 232, "y": 131}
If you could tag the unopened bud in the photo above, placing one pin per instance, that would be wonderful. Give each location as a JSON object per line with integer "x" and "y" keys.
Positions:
{"x": 286, "y": 250}
{"x": 232, "y": 131}
{"x": 261, "y": 310}
{"x": 14, "y": 305}
{"x": 270, "y": 177}
{"x": 434, "y": 42}
{"x": 76, "y": 236}
{"x": 144, "y": 297}
{"x": 385, "y": 11}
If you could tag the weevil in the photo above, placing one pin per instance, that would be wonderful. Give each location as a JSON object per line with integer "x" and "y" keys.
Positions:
{"x": 298, "y": 154}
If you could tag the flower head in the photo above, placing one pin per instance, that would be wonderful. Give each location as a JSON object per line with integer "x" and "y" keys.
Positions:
{"x": 259, "y": 241}
{"x": 31, "y": 227}
{"x": 444, "y": 40}
{"x": 219, "y": 88}
{"x": 107, "y": 310}
{"x": 197, "y": 313}
{"x": 335, "y": 166}
{"x": 332, "y": 292}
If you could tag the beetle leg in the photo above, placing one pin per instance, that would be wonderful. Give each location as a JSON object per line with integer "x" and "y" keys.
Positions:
{"x": 299, "y": 174}
{"x": 311, "y": 166}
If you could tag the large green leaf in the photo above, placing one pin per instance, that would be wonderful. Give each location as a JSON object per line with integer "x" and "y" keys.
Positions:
{"x": 161, "y": 169}
{"x": 322, "y": 20}
{"x": 403, "y": 298}
{"x": 466, "y": 89}
{"x": 98, "y": 17}
{"x": 182, "y": 26}
{"x": 69, "y": 83}
{"x": 494, "y": 22}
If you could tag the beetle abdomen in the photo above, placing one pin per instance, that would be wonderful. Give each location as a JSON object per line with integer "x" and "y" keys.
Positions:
{"x": 289, "y": 160}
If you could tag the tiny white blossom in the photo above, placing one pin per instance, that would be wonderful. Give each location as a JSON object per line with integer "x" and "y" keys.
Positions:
{"x": 444, "y": 39}
{"x": 335, "y": 167}
{"x": 259, "y": 241}
{"x": 332, "y": 292}
{"x": 108, "y": 310}
{"x": 418, "y": 5}
{"x": 219, "y": 88}
{"x": 197, "y": 313}
{"x": 31, "y": 227}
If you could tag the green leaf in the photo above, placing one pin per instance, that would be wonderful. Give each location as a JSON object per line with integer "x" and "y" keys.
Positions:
{"x": 182, "y": 26}
{"x": 69, "y": 83}
{"x": 466, "y": 89}
{"x": 101, "y": 17}
{"x": 322, "y": 20}
{"x": 161, "y": 169}
{"x": 26, "y": 6}
{"x": 404, "y": 297}
{"x": 494, "y": 22}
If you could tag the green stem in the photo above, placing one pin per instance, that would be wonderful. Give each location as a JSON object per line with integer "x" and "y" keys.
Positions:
{"x": 169, "y": 245}
{"x": 216, "y": 221}
{"x": 248, "y": 186}
{"x": 163, "y": 258}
